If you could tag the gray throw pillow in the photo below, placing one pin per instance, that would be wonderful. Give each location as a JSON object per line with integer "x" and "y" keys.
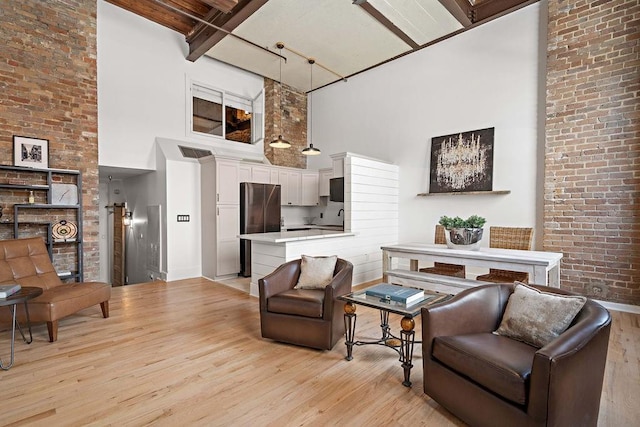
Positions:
{"x": 316, "y": 272}
{"x": 537, "y": 317}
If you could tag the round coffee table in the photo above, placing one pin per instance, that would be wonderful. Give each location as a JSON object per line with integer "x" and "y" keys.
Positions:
{"x": 25, "y": 294}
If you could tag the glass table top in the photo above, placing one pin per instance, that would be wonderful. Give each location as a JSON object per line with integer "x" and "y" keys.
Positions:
{"x": 412, "y": 310}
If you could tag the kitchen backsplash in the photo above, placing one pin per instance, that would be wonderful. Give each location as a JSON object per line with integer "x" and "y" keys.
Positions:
{"x": 298, "y": 215}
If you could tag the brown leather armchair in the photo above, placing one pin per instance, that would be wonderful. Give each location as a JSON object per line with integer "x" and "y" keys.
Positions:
{"x": 491, "y": 380}
{"x": 26, "y": 262}
{"x": 307, "y": 317}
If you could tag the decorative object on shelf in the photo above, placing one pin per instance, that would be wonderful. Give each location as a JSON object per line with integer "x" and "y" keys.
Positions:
{"x": 30, "y": 152}
{"x": 462, "y": 162}
{"x": 32, "y": 198}
{"x": 280, "y": 142}
{"x": 311, "y": 150}
{"x": 463, "y": 233}
{"x": 64, "y": 194}
{"x": 64, "y": 231}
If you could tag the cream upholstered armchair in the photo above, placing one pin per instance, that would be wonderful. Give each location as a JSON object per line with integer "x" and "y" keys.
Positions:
{"x": 310, "y": 317}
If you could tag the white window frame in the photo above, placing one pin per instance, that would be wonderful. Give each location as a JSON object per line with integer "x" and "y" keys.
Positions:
{"x": 232, "y": 99}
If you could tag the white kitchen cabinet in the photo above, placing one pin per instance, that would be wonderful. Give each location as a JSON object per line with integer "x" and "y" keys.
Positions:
{"x": 289, "y": 181}
{"x": 338, "y": 165}
{"x": 220, "y": 213}
{"x": 309, "y": 188}
{"x": 261, "y": 174}
{"x": 227, "y": 182}
{"x": 244, "y": 173}
{"x": 274, "y": 179}
{"x": 324, "y": 175}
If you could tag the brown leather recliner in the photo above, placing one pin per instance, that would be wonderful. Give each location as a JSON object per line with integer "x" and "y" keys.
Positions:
{"x": 491, "y": 380}
{"x": 307, "y": 317}
{"x": 26, "y": 262}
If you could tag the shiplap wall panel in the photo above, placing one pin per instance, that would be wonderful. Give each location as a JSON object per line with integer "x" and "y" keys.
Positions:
{"x": 368, "y": 189}
{"x": 371, "y": 204}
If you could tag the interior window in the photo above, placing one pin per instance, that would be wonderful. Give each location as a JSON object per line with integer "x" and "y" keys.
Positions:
{"x": 238, "y": 119}
{"x": 232, "y": 117}
{"x": 207, "y": 111}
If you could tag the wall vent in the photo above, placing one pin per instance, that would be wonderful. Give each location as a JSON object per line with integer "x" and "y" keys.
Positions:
{"x": 194, "y": 153}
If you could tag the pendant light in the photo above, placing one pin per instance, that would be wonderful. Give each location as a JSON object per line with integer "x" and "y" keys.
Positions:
{"x": 280, "y": 142}
{"x": 311, "y": 150}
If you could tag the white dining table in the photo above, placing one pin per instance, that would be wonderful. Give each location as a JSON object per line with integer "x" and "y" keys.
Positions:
{"x": 543, "y": 267}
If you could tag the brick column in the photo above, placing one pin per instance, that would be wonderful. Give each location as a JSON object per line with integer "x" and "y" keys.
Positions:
{"x": 592, "y": 161}
{"x": 48, "y": 86}
{"x": 294, "y": 124}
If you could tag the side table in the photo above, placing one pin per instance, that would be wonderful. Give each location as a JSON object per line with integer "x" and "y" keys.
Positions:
{"x": 25, "y": 294}
{"x": 403, "y": 345}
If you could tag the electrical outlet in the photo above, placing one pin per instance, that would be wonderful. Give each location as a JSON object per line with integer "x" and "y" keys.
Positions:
{"x": 184, "y": 218}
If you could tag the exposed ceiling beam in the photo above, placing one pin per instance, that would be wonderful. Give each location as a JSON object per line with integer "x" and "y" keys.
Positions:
{"x": 375, "y": 13}
{"x": 204, "y": 37}
{"x": 164, "y": 16}
{"x": 460, "y": 9}
{"x": 222, "y": 5}
{"x": 493, "y": 8}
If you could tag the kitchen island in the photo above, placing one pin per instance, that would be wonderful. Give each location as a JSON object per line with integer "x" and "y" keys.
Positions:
{"x": 270, "y": 250}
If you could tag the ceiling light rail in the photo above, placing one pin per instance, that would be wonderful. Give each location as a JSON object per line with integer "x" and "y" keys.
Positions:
{"x": 308, "y": 59}
{"x": 202, "y": 21}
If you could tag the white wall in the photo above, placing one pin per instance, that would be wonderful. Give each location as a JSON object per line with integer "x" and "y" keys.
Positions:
{"x": 142, "y": 82}
{"x": 485, "y": 77}
{"x": 142, "y": 90}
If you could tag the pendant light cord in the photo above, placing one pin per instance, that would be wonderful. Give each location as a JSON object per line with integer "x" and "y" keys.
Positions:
{"x": 311, "y": 61}
{"x": 280, "y": 46}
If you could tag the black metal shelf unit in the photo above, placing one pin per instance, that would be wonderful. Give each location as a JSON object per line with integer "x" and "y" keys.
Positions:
{"x": 43, "y": 216}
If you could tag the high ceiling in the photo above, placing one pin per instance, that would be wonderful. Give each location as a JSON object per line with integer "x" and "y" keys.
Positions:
{"x": 344, "y": 37}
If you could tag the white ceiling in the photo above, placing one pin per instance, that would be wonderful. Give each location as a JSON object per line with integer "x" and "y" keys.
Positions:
{"x": 338, "y": 34}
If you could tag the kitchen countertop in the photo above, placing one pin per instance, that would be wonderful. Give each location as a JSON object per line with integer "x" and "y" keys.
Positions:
{"x": 294, "y": 236}
{"x": 313, "y": 227}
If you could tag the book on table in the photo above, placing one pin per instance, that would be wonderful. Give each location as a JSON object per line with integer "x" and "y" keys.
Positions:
{"x": 8, "y": 290}
{"x": 401, "y": 294}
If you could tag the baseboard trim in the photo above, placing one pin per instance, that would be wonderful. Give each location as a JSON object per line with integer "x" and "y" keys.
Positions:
{"x": 616, "y": 306}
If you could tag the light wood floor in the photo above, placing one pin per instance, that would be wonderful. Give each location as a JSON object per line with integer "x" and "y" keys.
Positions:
{"x": 190, "y": 353}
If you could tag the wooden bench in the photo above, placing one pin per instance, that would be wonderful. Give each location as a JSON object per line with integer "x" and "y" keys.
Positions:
{"x": 26, "y": 262}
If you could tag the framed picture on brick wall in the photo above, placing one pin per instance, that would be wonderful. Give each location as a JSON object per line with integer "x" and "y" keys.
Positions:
{"x": 30, "y": 152}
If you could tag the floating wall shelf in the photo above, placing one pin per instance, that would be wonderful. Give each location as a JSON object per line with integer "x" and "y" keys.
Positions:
{"x": 466, "y": 193}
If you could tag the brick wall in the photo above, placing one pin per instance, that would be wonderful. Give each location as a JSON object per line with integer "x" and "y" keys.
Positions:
{"x": 294, "y": 124}
{"x": 592, "y": 162}
{"x": 48, "y": 90}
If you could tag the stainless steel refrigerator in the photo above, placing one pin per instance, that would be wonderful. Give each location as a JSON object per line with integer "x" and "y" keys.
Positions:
{"x": 259, "y": 213}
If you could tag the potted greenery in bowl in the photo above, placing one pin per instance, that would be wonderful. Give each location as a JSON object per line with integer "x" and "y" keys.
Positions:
{"x": 463, "y": 233}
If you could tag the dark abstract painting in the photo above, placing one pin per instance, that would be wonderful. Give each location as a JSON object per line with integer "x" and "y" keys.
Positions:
{"x": 462, "y": 162}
